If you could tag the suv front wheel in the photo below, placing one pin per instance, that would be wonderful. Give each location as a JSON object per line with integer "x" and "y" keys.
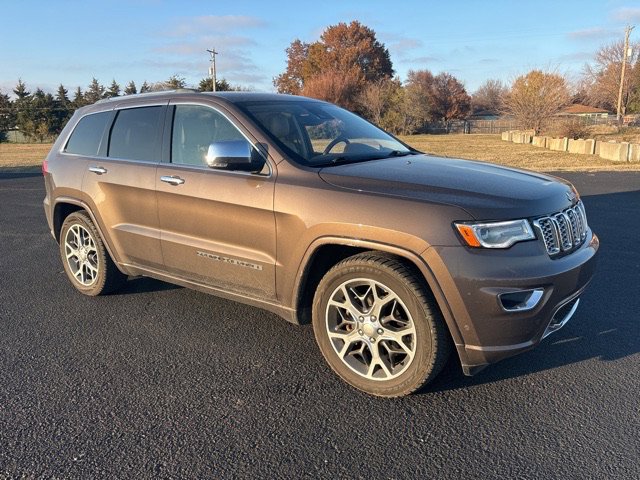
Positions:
{"x": 378, "y": 327}
{"x": 85, "y": 259}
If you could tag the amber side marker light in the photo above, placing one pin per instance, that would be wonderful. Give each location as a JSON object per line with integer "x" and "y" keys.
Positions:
{"x": 467, "y": 234}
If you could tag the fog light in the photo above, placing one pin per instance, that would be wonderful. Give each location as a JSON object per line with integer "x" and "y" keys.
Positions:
{"x": 521, "y": 301}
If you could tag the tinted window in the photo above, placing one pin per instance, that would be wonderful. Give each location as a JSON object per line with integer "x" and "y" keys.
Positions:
{"x": 85, "y": 139}
{"x": 194, "y": 129}
{"x": 134, "y": 134}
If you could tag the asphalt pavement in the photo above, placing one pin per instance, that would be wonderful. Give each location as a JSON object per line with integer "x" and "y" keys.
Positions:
{"x": 164, "y": 382}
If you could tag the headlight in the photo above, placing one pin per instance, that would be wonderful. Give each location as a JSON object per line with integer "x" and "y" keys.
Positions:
{"x": 495, "y": 234}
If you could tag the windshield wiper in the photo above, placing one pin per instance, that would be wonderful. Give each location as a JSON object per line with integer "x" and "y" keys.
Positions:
{"x": 343, "y": 159}
{"x": 399, "y": 153}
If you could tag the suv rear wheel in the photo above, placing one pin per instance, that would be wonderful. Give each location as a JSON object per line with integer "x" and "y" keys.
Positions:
{"x": 85, "y": 259}
{"x": 377, "y": 326}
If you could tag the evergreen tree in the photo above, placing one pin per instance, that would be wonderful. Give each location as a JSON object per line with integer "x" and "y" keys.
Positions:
{"x": 62, "y": 111}
{"x": 7, "y": 115}
{"x": 78, "y": 99}
{"x": 144, "y": 88}
{"x": 62, "y": 95}
{"x": 221, "y": 85}
{"x": 22, "y": 108}
{"x": 21, "y": 90}
{"x": 174, "y": 82}
{"x": 131, "y": 88}
{"x": 94, "y": 92}
{"x": 114, "y": 90}
{"x": 35, "y": 117}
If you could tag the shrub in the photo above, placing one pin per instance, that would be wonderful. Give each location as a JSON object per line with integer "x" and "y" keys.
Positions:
{"x": 573, "y": 129}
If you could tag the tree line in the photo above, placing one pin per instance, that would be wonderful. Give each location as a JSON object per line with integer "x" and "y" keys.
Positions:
{"x": 40, "y": 116}
{"x": 350, "y": 67}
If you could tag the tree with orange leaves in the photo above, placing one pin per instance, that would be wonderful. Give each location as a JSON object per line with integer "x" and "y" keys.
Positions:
{"x": 337, "y": 67}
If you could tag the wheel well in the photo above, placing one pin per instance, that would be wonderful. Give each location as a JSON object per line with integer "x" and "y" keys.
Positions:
{"x": 322, "y": 260}
{"x": 60, "y": 213}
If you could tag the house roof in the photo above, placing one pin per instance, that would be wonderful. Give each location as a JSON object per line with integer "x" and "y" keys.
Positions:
{"x": 579, "y": 108}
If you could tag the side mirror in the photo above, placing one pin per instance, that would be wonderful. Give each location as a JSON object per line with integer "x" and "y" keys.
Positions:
{"x": 230, "y": 155}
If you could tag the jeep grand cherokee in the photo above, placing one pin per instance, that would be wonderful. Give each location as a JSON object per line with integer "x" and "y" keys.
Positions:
{"x": 304, "y": 209}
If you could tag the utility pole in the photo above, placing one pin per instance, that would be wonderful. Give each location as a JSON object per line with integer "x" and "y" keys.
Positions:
{"x": 212, "y": 67}
{"x": 627, "y": 32}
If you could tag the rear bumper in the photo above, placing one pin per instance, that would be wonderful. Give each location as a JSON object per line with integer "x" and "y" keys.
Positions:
{"x": 47, "y": 213}
{"x": 473, "y": 281}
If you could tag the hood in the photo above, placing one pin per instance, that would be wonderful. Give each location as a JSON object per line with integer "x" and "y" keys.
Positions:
{"x": 484, "y": 190}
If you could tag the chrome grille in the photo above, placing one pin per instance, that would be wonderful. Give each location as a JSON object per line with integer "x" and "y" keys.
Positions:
{"x": 563, "y": 231}
{"x": 565, "y": 238}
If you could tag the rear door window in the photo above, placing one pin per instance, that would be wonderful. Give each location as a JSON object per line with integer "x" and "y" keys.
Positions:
{"x": 134, "y": 135}
{"x": 86, "y": 137}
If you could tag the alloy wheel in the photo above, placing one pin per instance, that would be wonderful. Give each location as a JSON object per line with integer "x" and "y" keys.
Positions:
{"x": 370, "y": 329}
{"x": 81, "y": 255}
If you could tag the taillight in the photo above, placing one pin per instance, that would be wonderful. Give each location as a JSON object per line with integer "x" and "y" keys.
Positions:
{"x": 45, "y": 167}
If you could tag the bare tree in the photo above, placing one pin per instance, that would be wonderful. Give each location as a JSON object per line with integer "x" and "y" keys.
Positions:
{"x": 536, "y": 97}
{"x": 386, "y": 104}
{"x": 602, "y": 76}
{"x": 489, "y": 97}
{"x": 376, "y": 99}
{"x": 419, "y": 98}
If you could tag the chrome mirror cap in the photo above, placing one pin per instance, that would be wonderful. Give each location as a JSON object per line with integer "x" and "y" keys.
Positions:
{"x": 229, "y": 154}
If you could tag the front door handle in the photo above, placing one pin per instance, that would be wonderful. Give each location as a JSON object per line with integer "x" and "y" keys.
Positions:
{"x": 98, "y": 170}
{"x": 172, "y": 180}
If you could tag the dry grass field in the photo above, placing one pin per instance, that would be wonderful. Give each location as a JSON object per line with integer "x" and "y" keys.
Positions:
{"x": 489, "y": 148}
{"x": 21, "y": 155}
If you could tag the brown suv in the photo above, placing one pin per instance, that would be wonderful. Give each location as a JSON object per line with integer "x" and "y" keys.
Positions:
{"x": 304, "y": 209}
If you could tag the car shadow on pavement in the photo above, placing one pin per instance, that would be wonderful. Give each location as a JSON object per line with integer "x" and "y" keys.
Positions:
{"x": 605, "y": 326}
{"x": 20, "y": 172}
{"x": 145, "y": 285}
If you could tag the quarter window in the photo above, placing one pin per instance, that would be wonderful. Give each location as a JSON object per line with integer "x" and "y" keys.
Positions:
{"x": 134, "y": 135}
{"x": 85, "y": 139}
{"x": 196, "y": 127}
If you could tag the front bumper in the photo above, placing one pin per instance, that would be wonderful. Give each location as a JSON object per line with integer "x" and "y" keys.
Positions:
{"x": 472, "y": 281}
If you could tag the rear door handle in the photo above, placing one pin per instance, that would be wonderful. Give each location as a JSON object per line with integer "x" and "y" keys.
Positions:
{"x": 172, "y": 180}
{"x": 98, "y": 170}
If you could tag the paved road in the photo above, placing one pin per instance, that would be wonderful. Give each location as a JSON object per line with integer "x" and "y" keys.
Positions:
{"x": 167, "y": 382}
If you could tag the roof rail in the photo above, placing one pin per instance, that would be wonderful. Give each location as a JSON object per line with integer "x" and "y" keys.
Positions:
{"x": 159, "y": 92}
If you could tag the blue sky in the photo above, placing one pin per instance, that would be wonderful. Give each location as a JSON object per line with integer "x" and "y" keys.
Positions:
{"x": 50, "y": 42}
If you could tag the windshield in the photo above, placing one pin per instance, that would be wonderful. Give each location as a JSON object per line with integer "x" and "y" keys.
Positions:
{"x": 320, "y": 134}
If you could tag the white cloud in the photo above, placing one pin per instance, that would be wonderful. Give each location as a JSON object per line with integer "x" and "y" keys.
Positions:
{"x": 185, "y": 47}
{"x": 488, "y": 61}
{"x": 594, "y": 33}
{"x": 207, "y": 24}
{"x": 400, "y": 47}
{"x": 626, "y": 14}
{"x": 200, "y": 45}
{"x": 423, "y": 61}
{"x": 575, "y": 57}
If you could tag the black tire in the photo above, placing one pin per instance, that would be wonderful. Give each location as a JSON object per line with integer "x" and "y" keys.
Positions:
{"x": 387, "y": 374}
{"x": 91, "y": 271}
